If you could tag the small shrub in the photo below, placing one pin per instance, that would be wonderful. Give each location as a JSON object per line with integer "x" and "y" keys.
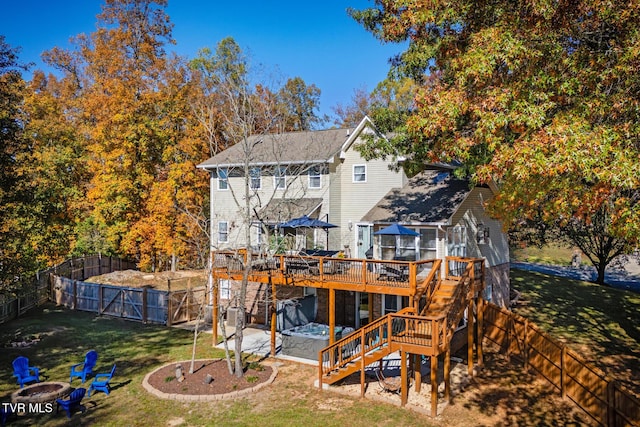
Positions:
{"x": 168, "y": 379}
{"x": 252, "y": 379}
{"x": 256, "y": 366}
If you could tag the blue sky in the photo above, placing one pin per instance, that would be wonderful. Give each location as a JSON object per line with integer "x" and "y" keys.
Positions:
{"x": 315, "y": 40}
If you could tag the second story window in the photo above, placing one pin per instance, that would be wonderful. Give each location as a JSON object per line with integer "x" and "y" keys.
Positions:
{"x": 223, "y": 179}
{"x": 223, "y": 232}
{"x": 314, "y": 177}
{"x": 359, "y": 173}
{"x": 256, "y": 179}
{"x": 280, "y": 178}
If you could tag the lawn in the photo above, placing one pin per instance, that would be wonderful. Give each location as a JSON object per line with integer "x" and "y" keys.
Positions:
{"x": 603, "y": 324}
{"x": 600, "y": 323}
{"x": 65, "y": 336}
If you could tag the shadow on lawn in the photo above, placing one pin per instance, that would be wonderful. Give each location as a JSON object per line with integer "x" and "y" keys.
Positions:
{"x": 508, "y": 396}
{"x": 66, "y": 337}
{"x": 600, "y": 323}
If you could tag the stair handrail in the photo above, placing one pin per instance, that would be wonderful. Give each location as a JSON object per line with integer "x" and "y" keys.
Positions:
{"x": 419, "y": 330}
{"x": 431, "y": 283}
{"x": 374, "y": 335}
{"x": 461, "y": 295}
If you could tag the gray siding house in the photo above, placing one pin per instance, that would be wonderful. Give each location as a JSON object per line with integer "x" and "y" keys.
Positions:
{"x": 270, "y": 179}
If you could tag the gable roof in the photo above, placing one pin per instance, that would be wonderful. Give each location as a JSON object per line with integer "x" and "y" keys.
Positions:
{"x": 431, "y": 197}
{"x": 287, "y": 148}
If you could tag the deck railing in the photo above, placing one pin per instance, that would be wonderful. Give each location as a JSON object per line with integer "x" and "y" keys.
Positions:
{"x": 367, "y": 339}
{"x": 303, "y": 270}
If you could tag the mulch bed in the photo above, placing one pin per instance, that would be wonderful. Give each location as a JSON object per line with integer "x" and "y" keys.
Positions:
{"x": 223, "y": 382}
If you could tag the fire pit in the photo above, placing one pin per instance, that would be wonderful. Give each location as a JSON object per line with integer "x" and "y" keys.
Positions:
{"x": 41, "y": 392}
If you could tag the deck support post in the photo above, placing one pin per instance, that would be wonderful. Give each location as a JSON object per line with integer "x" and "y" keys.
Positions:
{"x": 274, "y": 319}
{"x": 470, "y": 334}
{"x": 480, "y": 308}
{"x": 434, "y": 385}
{"x": 404, "y": 393}
{"x": 417, "y": 371}
{"x": 447, "y": 375}
{"x": 332, "y": 315}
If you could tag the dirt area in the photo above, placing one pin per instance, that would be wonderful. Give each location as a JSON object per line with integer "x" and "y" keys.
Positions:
{"x": 161, "y": 281}
{"x": 499, "y": 394}
{"x": 222, "y": 381}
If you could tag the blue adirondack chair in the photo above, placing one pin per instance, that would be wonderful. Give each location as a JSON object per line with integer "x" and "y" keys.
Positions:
{"x": 86, "y": 368}
{"x": 101, "y": 382}
{"x": 23, "y": 372}
{"x": 72, "y": 402}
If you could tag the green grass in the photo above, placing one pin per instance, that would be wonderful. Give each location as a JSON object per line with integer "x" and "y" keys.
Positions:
{"x": 138, "y": 349}
{"x": 555, "y": 255}
{"x": 600, "y": 323}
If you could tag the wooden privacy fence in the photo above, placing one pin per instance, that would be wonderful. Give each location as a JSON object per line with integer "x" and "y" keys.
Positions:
{"x": 34, "y": 293}
{"x": 36, "y": 289}
{"x": 601, "y": 397}
{"x": 139, "y": 304}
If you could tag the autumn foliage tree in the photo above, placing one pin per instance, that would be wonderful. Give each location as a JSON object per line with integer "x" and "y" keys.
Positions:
{"x": 142, "y": 194}
{"x": 542, "y": 97}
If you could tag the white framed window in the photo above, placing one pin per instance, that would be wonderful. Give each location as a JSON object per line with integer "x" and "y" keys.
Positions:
{"x": 223, "y": 179}
{"x": 315, "y": 177}
{"x": 359, "y": 173}
{"x": 406, "y": 248}
{"x": 457, "y": 241}
{"x": 280, "y": 178}
{"x": 259, "y": 234}
{"x": 223, "y": 231}
{"x": 256, "y": 178}
{"x": 428, "y": 243}
{"x": 388, "y": 246}
{"x": 224, "y": 286}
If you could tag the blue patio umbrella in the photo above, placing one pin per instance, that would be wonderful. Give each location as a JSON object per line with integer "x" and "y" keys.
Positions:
{"x": 396, "y": 230}
{"x": 305, "y": 221}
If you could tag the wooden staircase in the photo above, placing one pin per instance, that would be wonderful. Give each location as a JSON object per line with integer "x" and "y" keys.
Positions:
{"x": 427, "y": 333}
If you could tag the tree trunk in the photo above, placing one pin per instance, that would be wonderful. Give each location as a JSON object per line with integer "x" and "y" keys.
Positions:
{"x": 601, "y": 267}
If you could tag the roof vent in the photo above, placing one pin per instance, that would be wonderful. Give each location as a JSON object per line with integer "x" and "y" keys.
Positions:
{"x": 348, "y": 132}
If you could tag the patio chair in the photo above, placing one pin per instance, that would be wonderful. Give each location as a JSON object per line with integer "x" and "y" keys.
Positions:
{"x": 25, "y": 373}
{"x": 72, "y": 402}
{"x": 101, "y": 382}
{"x": 6, "y": 414}
{"x": 389, "y": 384}
{"x": 399, "y": 274}
{"x": 81, "y": 370}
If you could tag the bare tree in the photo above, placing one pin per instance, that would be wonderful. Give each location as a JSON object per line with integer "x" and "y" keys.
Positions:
{"x": 248, "y": 119}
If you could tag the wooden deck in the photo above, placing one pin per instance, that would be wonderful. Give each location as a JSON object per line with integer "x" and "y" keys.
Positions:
{"x": 439, "y": 293}
{"x": 401, "y": 278}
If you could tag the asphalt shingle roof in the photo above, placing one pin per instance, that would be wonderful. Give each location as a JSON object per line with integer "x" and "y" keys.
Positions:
{"x": 432, "y": 196}
{"x": 285, "y": 148}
